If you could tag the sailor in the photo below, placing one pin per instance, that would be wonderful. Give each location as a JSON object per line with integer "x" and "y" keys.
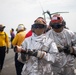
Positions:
{"x": 18, "y": 39}
{"x": 4, "y": 45}
{"x": 40, "y": 50}
{"x": 65, "y": 40}
{"x": 12, "y": 34}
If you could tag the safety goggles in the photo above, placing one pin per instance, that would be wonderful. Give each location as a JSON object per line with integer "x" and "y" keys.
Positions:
{"x": 38, "y": 26}
{"x": 56, "y": 26}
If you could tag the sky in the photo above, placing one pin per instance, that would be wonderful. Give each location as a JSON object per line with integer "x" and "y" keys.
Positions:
{"x": 15, "y": 12}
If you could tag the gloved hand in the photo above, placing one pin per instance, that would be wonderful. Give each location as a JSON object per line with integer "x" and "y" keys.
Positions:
{"x": 7, "y": 50}
{"x": 60, "y": 49}
{"x": 66, "y": 50}
{"x": 69, "y": 50}
{"x": 32, "y": 53}
{"x": 35, "y": 53}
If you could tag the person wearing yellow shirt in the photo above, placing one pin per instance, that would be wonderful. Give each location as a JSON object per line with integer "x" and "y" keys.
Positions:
{"x": 4, "y": 45}
{"x": 18, "y": 39}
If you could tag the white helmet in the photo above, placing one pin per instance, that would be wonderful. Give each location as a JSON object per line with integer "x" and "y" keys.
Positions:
{"x": 20, "y": 27}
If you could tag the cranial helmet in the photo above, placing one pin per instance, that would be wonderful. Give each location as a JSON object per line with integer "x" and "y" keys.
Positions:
{"x": 20, "y": 27}
{"x": 39, "y": 23}
{"x": 40, "y": 20}
{"x": 57, "y": 21}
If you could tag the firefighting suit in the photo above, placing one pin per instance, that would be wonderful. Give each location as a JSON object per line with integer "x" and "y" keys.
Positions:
{"x": 34, "y": 65}
{"x": 64, "y": 64}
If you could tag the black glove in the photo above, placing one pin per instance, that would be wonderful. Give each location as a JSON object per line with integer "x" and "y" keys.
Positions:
{"x": 66, "y": 50}
{"x": 7, "y": 50}
{"x": 32, "y": 53}
{"x": 24, "y": 56}
{"x": 73, "y": 54}
{"x": 29, "y": 52}
{"x": 60, "y": 49}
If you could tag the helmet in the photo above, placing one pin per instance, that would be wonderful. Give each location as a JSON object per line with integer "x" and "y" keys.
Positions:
{"x": 40, "y": 20}
{"x": 39, "y": 23}
{"x": 1, "y": 26}
{"x": 20, "y": 27}
{"x": 57, "y": 21}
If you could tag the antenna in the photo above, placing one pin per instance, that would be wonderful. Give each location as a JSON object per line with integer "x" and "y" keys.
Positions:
{"x": 42, "y": 11}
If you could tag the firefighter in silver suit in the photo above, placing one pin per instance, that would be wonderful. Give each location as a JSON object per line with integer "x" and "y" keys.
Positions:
{"x": 65, "y": 40}
{"x": 40, "y": 51}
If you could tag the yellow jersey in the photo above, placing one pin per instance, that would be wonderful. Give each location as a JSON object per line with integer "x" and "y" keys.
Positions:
{"x": 4, "y": 39}
{"x": 19, "y": 38}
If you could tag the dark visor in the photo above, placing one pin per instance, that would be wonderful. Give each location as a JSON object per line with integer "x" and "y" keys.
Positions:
{"x": 38, "y": 26}
{"x": 56, "y": 26}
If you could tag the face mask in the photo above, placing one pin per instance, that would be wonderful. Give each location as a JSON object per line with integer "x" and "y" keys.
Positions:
{"x": 56, "y": 26}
